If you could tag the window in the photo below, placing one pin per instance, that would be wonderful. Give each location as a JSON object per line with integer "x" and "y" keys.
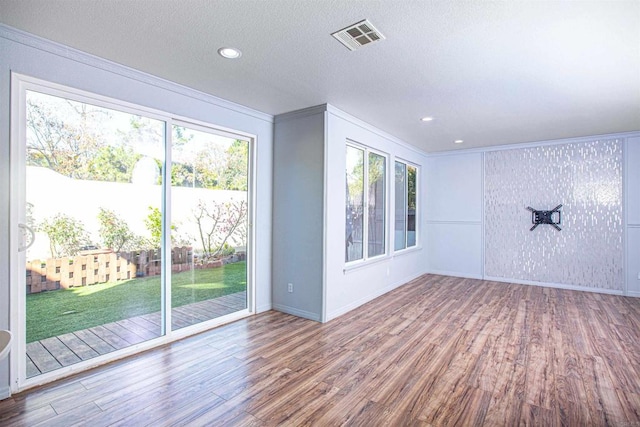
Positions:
{"x": 405, "y": 205}
{"x": 365, "y": 231}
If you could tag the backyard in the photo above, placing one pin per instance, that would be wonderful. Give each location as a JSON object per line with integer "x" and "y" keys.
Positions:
{"x": 58, "y": 312}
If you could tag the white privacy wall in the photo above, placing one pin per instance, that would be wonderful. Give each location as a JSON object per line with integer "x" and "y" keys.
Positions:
{"x": 586, "y": 178}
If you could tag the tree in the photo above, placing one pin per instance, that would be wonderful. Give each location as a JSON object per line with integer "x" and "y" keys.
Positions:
{"x": 143, "y": 131}
{"x": 60, "y": 134}
{"x": 220, "y": 223}
{"x": 78, "y": 140}
{"x": 153, "y": 222}
{"x": 66, "y": 235}
{"x": 113, "y": 163}
{"x": 181, "y": 175}
{"x": 114, "y": 231}
{"x": 179, "y": 137}
{"x": 235, "y": 175}
{"x": 210, "y": 165}
{"x": 185, "y": 175}
{"x": 411, "y": 187}
{"x": 355, "y": 176}
{"x": 196, "y": 163}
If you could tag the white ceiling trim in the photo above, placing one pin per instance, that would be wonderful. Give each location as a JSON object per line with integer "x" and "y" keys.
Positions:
{"x": 619, "y": 135}
{"x": 367, "y": 126}
{"x": 318, "y": 109}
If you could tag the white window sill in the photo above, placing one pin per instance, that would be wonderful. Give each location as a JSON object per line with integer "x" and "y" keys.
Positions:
{"x": 356, "y": 265}
{"x": 407, "y": 251}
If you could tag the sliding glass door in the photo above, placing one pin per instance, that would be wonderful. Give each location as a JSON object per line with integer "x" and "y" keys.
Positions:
{"x": 128, "y": 225}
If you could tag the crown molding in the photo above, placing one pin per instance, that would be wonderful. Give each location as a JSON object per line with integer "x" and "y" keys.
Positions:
{"x": 619, "y": 135}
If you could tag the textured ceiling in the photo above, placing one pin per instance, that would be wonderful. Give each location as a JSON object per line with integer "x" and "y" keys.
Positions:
{"x": 488, "y": 72}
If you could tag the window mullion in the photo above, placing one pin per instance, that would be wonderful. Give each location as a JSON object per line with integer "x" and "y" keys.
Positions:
{"x": 165, "y": 243}
{"x": 365, "y": 207}
{"x": 415, "y": 212}
{"x": 406, "y": 206}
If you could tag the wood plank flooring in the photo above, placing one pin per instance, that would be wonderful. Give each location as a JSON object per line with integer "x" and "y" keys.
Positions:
{"x": 55, "y": 352}
{"x": 438, "y": 351}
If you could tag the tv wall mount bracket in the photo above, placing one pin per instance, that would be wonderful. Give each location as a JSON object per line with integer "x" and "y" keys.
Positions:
{"x": 552, "y": 217}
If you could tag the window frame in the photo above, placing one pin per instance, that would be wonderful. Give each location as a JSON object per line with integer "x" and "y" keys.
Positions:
{"x": 417, "y": 243}
{"x": 365, "y": 221}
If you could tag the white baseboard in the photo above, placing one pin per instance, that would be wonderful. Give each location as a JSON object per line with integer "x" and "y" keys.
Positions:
{"x": 456, "y": 274}
{"x": 263, "y": 308}
{"x": 296, "y": 312}
{"x": 634, "y": 294}
{"x": 5, "y": 392}
{"x": 345, "y": 309}
{"x": 555, "y": 285}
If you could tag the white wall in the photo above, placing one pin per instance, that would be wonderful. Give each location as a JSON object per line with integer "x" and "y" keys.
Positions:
{"x": 28, "y": 55}
{"x": 633, "y": 215}
{"x": 454, "y": 214}
{"x": 346, "y": 289}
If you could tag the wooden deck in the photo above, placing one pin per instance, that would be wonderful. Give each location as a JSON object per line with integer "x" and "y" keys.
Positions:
{"x": 55, "y": 352}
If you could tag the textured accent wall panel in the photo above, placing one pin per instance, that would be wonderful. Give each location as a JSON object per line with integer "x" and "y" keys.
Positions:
{"x": 586, "y": 178}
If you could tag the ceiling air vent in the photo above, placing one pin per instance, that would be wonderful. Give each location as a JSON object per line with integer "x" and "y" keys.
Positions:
{"x": 357, "y": 35}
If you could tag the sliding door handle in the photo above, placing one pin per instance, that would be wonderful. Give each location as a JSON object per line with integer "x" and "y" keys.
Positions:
{"x": 25, "y": 229}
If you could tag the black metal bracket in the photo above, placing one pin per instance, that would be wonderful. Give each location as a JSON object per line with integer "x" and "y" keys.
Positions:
{"x": 546, "y": 217}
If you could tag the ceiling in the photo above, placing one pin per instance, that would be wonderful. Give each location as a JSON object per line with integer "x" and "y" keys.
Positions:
{"x": 489, "y": 73}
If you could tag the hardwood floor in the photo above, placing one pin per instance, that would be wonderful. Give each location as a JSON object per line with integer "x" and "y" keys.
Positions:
{"x": 437, "y": 351}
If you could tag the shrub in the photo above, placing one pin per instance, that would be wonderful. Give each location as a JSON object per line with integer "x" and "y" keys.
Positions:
{"x": 66, "y": 235}
{"x": 114, "y": 231}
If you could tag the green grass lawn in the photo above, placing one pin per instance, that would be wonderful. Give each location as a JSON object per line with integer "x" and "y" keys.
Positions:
{"x": 58, "y": 312}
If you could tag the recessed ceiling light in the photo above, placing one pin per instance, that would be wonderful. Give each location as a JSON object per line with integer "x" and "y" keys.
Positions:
{"x": 458, "y": 141}
{"x": 426, "y": 119}
{"x": 229, "y": 52}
